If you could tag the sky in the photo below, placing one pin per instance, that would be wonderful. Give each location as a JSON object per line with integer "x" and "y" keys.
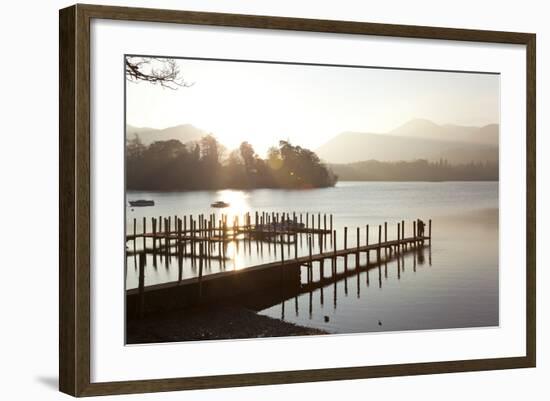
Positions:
{"x": 263, "y": 103}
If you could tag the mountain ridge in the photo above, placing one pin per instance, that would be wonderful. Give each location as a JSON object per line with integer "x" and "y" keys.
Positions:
{"x": 416, "y": 139}
{"x": 182, "y": 132}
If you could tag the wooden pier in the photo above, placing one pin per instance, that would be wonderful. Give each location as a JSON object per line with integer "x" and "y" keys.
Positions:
{"x": 276, "y": 274}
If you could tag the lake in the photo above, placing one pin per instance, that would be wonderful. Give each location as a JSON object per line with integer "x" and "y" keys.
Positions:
{"x": 452, "y": 283}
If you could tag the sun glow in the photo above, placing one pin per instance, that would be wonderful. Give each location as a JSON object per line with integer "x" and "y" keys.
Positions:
{"x": 262, "y": 103}
{"x": 238, "y": 204}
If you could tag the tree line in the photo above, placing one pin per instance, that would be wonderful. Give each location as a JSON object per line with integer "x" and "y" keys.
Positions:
{"x": 205, "y": 165}
{"x": 417, "y": 170}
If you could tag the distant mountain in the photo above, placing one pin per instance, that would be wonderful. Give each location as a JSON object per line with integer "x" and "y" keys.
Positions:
{"x": 184, "y": 133}
{"x": 421, "y": 128}
{"x": 418, "y": 139}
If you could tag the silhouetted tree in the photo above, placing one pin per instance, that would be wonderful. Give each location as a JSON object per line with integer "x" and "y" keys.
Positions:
{"x": 171, "y": 165}
{"x": 155, "y": 70}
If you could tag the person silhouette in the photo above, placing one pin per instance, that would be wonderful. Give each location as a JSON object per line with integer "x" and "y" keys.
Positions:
{"x": 420, "y": 227}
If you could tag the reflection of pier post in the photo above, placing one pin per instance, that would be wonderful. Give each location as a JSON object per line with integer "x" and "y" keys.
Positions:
{"x": 141, "y": 284}
{"x": 201, "y": 257}
{"x": 282, "y": 261}
{"x": 398, "y": 267}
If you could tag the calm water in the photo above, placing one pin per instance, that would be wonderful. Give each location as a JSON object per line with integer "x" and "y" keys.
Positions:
{"x": 453, "y": 283}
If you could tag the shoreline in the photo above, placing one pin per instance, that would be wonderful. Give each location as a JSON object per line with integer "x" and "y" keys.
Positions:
{"x": 133, "y": 190}
{"x": 209, "y": 322}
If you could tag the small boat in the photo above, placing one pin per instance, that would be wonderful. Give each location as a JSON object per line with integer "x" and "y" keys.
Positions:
{"x": 142, "y": 202}
{"x": 220, "y": 204}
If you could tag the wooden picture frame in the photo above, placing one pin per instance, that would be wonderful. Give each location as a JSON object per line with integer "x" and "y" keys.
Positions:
{"x": 74, "y": 199}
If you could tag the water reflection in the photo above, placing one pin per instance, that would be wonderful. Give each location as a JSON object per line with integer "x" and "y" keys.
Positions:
{"x": 238, "y": 202}
{"x": 461, "y": 290}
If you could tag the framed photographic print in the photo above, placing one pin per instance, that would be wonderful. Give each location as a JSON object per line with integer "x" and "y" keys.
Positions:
{"x": 251, "y": 200}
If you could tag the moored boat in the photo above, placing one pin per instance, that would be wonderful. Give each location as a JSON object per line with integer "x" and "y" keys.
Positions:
{"x": 142, "y": 202}
{"x": 219, "y": 204}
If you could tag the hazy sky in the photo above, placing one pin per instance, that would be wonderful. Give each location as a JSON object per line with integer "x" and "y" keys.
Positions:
{"x": 262, "y": 103}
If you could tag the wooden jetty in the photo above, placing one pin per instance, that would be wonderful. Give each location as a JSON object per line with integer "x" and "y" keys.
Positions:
{"x": 267, "y": 276}
{"x": 185, "y": 234}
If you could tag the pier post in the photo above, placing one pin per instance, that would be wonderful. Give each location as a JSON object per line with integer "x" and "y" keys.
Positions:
{"x": 430, "y": 231}
{"x": 403, "y": 233}
{"x": 398, "y": 236}
{"x": 367, "y": 244}
{"x": 379, "y": 242}
{"x": 144, "y": 232}
{"x": 358, "y": 245}
{"x": 135, "y": 235}
{"x": 224, "y": 239}
{"x": 310, "y": 265}
{"x": 192, "y": 236}
{"x": 324, "y": 224}
{"x": 386, "y": 239}
{"x": 345, "y": 238}
{"x": 179, "y": 239}
{"x": 209, "y": 239}
{"x": 167, "y": 235}
{"x": 295, "y": 246}
{"x": 414, "y": 233}
{"x": 154, "y": 227}
{"x": 335, "y": 250}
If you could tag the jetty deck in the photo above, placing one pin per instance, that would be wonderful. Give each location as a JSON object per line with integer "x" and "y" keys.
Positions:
{"x": 262, "y": 277}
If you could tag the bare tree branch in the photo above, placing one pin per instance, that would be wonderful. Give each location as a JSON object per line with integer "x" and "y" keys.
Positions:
{"x": 157, "y": 71}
